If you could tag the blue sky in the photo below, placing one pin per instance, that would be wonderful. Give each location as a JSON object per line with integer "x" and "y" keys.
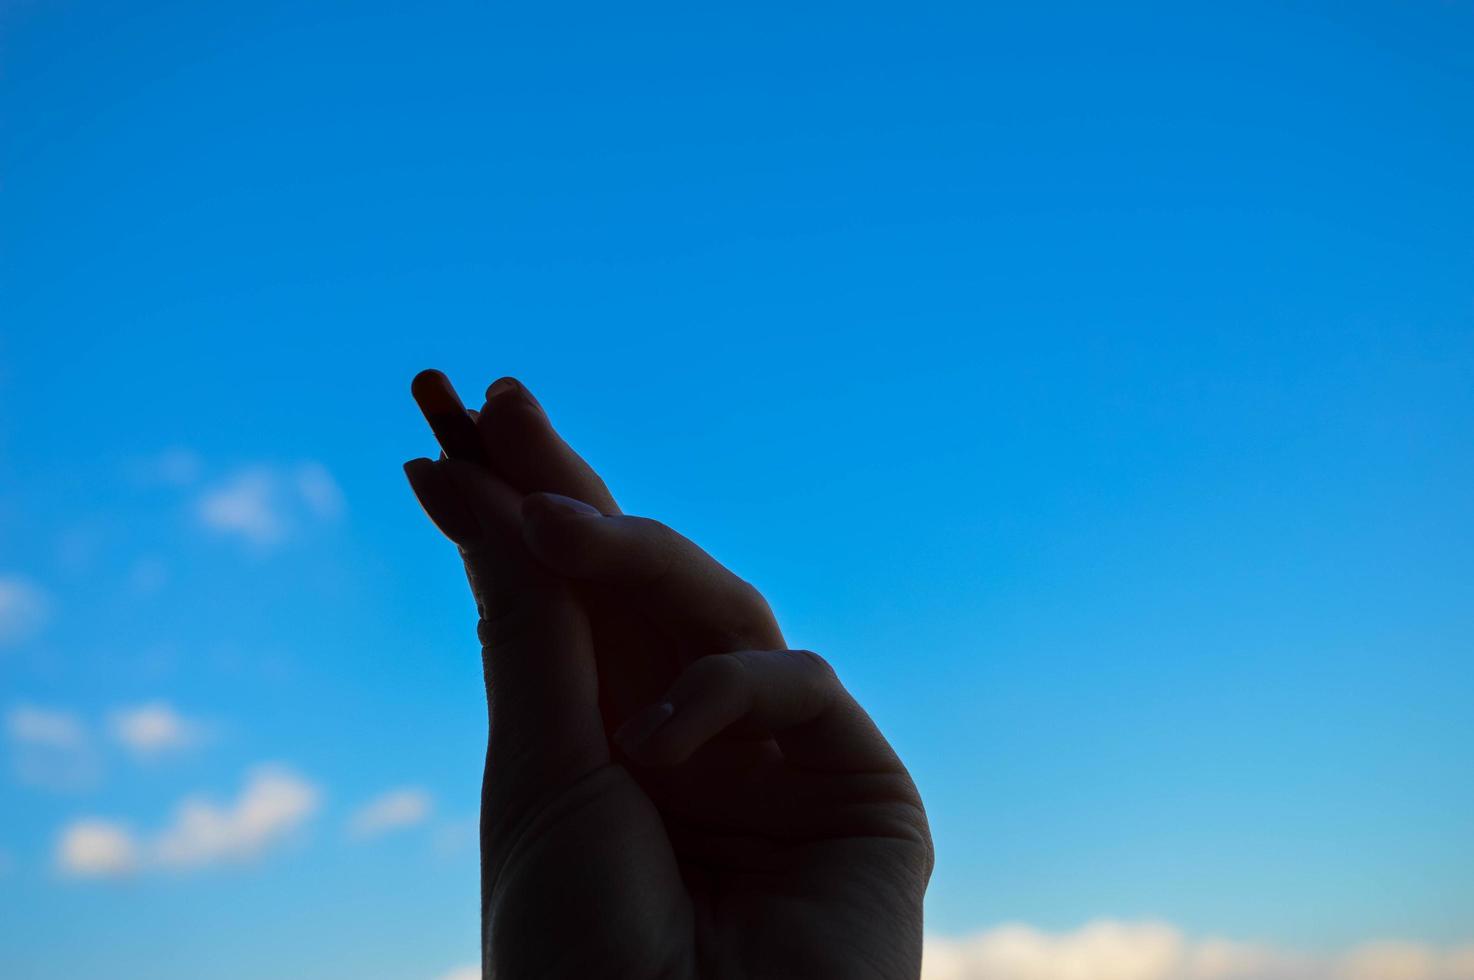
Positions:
{"x": 1092, "y": 384}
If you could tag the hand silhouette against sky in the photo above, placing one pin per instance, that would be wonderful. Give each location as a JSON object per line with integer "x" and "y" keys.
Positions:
{"x": 669, "y": 791}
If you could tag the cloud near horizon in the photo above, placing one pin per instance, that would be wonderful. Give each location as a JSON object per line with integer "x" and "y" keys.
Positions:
{"x": 1111, "y": 950}
{"x": 462, "y": 973}
{"x": 1115, "y": 950}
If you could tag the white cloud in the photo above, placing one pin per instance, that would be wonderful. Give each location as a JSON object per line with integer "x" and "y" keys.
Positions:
{"x": 154, "y": 729}
{"x": 390, "y": 811}
{"x": 273, "y": 803}
{"x": 24, "y": 609}
{"x": 97, "y": 849}
{"x": 1109, "y": 950}
{"x": 262, "y": 505}
{"x": 50, "y": 748}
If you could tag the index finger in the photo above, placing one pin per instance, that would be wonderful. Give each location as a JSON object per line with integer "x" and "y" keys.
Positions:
{"x": 453, "y": 427}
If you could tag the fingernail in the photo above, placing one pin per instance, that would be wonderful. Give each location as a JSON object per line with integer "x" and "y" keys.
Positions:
{"x": 557, "y": 505}
{"x": 507, "y": 386}
{"x": 639, "y": 729}
{"x": 501, "y": 386}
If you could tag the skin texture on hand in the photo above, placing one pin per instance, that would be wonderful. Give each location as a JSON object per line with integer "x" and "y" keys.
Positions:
{"x": 669, "y": 792}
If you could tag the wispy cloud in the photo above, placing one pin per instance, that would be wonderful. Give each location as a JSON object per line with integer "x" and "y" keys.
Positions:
{"x": 318, "y": 490}
{"x": 1110, "y": 950}
{"x": 262, "y": 505}
{"x": 272, "y": 805}
{"x": 24, "y": 609}
{"x": 151, "y": 730}
{"x": 30, "y": 725}
{"x": 50, "y": 748}
{"x": 394, "y": 810}
{"x": 246, "y": 505}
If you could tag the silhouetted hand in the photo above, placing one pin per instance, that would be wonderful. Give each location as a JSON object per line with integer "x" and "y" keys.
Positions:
{"x": 747, "y": 819}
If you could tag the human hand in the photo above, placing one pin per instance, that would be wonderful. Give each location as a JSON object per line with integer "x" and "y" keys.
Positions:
{"x": 668, "y": 791}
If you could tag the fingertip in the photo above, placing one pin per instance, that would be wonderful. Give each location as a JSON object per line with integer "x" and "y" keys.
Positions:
{"x": 445, "y": 507}
{"x": 508, "y": 389}
{"x": 433, "y": 392}
{"x": 511, "y": 426}
{"x": 501, "y": 386}
{"x": 418, "y": 471}
{"x": 510, "y": 415}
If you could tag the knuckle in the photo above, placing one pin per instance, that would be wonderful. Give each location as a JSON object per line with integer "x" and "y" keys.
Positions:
{"x": 722, "y": 670}
{"x": 650, "y": 528}
{"x": 818, "y": 664}
{"x": 752, "y": 601}
{"x": 653, "y": 537}
{"x": 741, "y": 616}
{"x": 819, "y": 684}
{"x": 656, "y": 543}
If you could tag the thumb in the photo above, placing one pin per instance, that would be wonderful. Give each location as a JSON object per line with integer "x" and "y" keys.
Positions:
{"x": 537, "y": 653}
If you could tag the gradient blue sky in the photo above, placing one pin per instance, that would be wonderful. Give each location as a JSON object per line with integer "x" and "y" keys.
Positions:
{"x": 1092, "y": 384}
